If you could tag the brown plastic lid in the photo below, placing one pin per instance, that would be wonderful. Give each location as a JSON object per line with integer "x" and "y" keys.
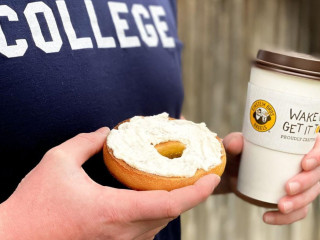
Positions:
{"x": 292, "y": 63}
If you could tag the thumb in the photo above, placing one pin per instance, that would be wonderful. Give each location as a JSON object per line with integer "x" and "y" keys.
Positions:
{"x": 83, "y": 146}
{"x": 233, "y": 143}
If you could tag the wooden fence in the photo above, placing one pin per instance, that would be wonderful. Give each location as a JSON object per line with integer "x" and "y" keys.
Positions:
{"x": 220, "y": 38}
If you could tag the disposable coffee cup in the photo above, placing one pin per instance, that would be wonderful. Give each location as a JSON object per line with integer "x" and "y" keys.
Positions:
{"x": 281, "y": 123}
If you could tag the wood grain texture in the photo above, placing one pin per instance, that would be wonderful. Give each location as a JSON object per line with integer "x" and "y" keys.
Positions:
{"x": 221, "y": 37}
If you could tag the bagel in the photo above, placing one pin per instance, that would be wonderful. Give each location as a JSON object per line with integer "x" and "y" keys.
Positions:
{"x": 171, "y": 151}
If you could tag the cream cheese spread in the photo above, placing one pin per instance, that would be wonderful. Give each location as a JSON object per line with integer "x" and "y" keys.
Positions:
{"x": 134, "y": 141}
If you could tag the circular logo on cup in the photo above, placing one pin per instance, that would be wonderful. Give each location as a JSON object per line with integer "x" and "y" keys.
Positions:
{"x": 262, "y": 116}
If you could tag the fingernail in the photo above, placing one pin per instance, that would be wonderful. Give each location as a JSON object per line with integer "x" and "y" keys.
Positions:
{"x": 103, "y": 130}
{"x": 218, "y": 178}
{"x": 310, "y": 163}
{"x": 226, "y": 145}
{"x": 268, "y": 218}
{"x": 287, "y": 207}
{"x": 294, "y": 187}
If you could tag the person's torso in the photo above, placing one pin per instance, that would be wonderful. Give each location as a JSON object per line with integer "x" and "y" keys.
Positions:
{"x": 70, "y": 66}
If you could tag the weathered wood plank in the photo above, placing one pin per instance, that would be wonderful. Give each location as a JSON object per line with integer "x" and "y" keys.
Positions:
{"x": 220, "y": 38}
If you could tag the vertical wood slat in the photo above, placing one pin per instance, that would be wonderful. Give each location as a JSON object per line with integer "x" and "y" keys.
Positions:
{"x": 315, "y": 27}
{"x": 220, "y": 39}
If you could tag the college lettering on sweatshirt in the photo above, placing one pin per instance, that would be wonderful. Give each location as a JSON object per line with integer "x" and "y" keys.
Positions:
{"x": 150, "y": 22}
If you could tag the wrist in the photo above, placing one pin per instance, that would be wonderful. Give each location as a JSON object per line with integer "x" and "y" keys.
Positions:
{"x": 14, "y": 222}
{"x": 8, "y": 230}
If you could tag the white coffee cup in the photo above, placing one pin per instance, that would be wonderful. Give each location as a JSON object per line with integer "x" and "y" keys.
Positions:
{"x": 281, "y": 122}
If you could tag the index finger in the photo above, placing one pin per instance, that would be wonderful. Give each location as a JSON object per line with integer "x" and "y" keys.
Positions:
{"x": 189, "y": 197}
{"x": 162, "y": 204}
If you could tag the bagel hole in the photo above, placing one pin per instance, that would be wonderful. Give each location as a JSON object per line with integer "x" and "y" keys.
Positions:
{"x": 171, "y": 149}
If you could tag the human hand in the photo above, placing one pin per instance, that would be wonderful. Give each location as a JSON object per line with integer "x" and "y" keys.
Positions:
{"x": 58, "y": 200}
{"x": 301, "y": 190}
